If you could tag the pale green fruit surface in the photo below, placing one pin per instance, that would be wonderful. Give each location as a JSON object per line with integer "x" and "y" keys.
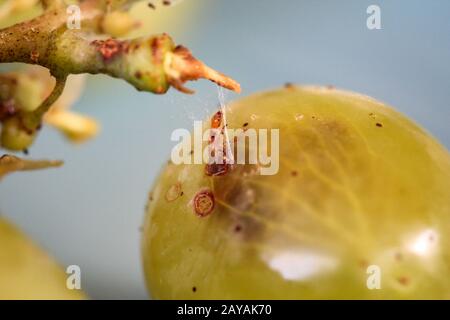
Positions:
{"x": 26, "y": 272}
{"x": 360, "y": 189}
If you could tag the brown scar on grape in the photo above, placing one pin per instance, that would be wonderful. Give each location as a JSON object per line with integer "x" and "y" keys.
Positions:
{"x": 403, "y": 280}
{"x": 203, "y": 203}
{"x": 246, "y": 227}
{"x": 241, "y": 198}
{"x": 174, "y": 192}
{"x": 378, "y": 124}
{"x": 216, "y": 169}
{"x": 216, "y": 120}
{"x": 363, "y": 263}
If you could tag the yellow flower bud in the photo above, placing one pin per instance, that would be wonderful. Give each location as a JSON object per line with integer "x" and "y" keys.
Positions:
{"x": 13, "y": 137}
{"x": 75, "y": 127}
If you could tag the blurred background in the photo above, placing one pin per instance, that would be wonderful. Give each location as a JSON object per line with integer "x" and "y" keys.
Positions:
{"x": 89, "y": 211}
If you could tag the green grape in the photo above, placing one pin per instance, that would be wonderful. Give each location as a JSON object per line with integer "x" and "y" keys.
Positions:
{"x": 359, "y": 209}
{"x": 14, "y": 136}
{"x": 26, "y": 272}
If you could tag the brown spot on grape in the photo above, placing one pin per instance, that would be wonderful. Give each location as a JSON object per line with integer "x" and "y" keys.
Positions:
{"x": 174, "y": 192}
{"x": 237, "y": 228}
{"x": 194, "y": 289}
{"x": 363, "y": 263}
{"x": 403, "y": 280}
{"x": 216, "y": 169}
{"x": 151, "y": 5}
{"x": 294, "y": 173}
{"x": 245, "y": 124}
{"x": 378, "y": 124}
{"x": 204, "y": 203}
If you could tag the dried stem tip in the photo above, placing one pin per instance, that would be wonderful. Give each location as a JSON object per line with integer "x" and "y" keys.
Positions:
{"x": 10, "y": 163}
{"x": 180, "y": 66}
